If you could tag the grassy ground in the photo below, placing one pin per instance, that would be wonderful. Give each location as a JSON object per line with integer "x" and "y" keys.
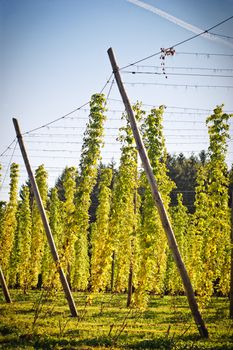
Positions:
{"x": 42, "y": 321}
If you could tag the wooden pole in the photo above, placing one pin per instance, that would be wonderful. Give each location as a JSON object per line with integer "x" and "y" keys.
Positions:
{"x": 49, "y": 235}
{"x": 158, "y": 202}
{"x": 4, "y": 287}
{"x": 113, "y": 271}
{"x": 132, "y": 244}
{"x": 130, "y": 281}
{"x": 231, "y": 282}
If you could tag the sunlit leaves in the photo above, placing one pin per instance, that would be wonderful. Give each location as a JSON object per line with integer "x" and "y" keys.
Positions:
{"x": 10, "y": 222}
{"x": 211, "y": 222}
{"x": 93, "y": 140}
{"x": 153, "y": 243}
{"x": 38, "y": 233}
{"x": 101, "y": 241}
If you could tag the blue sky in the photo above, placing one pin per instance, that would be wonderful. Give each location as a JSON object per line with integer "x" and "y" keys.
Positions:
{"x": 54, "y": 57}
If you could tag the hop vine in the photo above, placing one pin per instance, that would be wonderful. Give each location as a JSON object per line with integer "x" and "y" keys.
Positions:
{"x": 90, "y": 155}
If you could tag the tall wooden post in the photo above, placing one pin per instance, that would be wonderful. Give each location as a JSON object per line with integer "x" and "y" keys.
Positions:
{"x": 231, "y": 281}
{"x": 113, "y": 271}
{"x": 158, "y": 202}
{"x": 131, "y": 267}
{"x": 49, "y": 235}
{"x": 4, "y": 287}
{"x": 130, "y": 280}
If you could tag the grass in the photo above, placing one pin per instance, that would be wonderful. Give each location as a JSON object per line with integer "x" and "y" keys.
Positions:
{"x": 40, "y": 320}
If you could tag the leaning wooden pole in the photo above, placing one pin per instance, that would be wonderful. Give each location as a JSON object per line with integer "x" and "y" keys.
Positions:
{"x": 158, "y": 201}
{"x": 48, "y": 232}
{"x": 4, "y": 287}
{"x": 231, "y": 281}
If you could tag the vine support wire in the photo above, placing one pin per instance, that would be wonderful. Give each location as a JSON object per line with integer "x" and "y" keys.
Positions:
{"x": 9, "y": 164}
{"x": 49, "y": 235}
{"x": 159, "y": 203}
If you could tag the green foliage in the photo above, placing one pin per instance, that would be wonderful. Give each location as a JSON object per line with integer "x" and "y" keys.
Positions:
{"x": 24, "y": 230}
{"x": 124, "y": 219}
{"x": 180, "y": 223}
{"x": 38, "y": 234}
{"x": 153, "y": 241}
{"x": 69, "y": 234}
{"x": 100, "y": 239}
{"x": 211, "y": 224}
{"x": 2, "y": 213}
{"x": 50, "y": 276}
{"x": 218, "y": 128}
{"x": 124, "y": 215}
{"x": 90, "y": 155}
{"x": 9, "y": 223}
{"x": 152, "y": 133}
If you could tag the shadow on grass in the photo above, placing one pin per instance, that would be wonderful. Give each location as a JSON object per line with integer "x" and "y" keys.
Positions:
{"x": 49, "y": 343}
{"x": 6, "y": 330}
{"x": 175, "y": 344}
{"x": 160, "y": 343}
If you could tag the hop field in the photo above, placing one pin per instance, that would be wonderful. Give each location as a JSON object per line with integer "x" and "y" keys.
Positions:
{"x": 105, "y": 231}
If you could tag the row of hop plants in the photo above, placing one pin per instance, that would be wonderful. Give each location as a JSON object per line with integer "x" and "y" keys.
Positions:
{"x": 124, "y": 248}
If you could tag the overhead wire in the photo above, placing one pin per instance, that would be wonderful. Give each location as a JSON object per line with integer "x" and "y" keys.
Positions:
{"x": 59, "y": 118}
{"x": 52, "y": 122}
{"x": 110, "y": 89}
{"x": 112, "y": 83}
{"x": 180, "y": 74}
{"x": 145, "y": 58}
{"x": 179, "y": 43}
{"x": 215, "y": 69}
{"x": 114, "y": 140}
{"x": 119, "y": 152}
{"x": 9, "y": 163}
{"x": 55, "y": 120}
{"x": 114, "y": 111}
{"x": 107, "y": 82}
{"x": 7, "y": 147}
{"x": 173, "y": 107}
{"x": 207, "y": 54}
{"x": 196, "y": 86}
{"x": 69, "y": 113}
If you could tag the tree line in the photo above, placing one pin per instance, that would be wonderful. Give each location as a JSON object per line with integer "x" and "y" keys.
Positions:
{"x": 104, "y": 222}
